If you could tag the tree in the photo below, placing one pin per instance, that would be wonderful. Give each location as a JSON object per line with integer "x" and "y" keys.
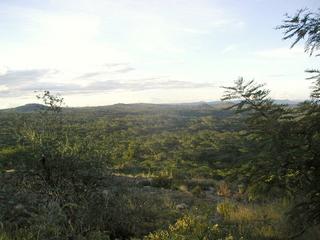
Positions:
{"x": 283, "y": 142}
{"x": 46, "y": 135}
{"x": 305, "y": 25}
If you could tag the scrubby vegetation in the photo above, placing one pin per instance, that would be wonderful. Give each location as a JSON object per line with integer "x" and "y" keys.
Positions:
{"x": 244, "y": 169}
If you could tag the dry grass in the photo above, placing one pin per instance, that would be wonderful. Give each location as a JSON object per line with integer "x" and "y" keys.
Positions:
{"x": 223, "y": 189}
{"x": 262, "y": 221}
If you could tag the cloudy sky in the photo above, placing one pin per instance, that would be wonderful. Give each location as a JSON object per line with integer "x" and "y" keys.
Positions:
{"x": 99, "y": 52}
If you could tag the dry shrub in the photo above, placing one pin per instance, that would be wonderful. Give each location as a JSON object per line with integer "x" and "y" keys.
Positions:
{"x": 223, "y": 189}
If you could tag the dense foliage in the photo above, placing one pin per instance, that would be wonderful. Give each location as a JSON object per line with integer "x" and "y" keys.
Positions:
{"x": 60, "y": 167}
{"x": 283, "y": 152}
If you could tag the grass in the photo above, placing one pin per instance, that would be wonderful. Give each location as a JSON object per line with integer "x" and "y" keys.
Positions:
{"x": 251, "y": 212}
{"x": 228, "y": 220}
{"x": 260, "y": 221}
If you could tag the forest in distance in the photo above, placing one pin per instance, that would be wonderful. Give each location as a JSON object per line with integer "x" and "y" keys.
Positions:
{"x": 246, "y": 167}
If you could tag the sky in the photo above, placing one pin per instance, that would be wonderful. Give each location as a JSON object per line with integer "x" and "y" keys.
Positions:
{"x": 101, "y": 52}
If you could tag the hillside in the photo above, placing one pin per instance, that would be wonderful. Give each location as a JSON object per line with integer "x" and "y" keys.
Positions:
{"x": 33, "y": 107}
{"x": 27, "y": 108}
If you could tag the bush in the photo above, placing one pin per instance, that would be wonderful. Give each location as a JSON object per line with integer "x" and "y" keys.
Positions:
{"x": 197, "y": 191}
{"x": 223, "y": 189}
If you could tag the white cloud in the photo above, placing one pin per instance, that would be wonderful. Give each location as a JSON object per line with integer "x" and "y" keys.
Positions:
{"x": 63, "y": 40}
{"x": 196, "y": 31}
{"x": 110, "y": 77}
{"x": 229, "y": 23}
{"x": 3, "y": 70}
{"x": 3, "y": 88}
{"x": 229, "y": 48}
{"x": 281, "y": 53}
{"x": 176, "y": 49}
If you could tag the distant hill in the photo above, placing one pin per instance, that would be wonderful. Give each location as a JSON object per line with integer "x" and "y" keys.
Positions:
{"x": 33, "y": 107}
{"x": 137, "y": 107}
{"x": 287, "y": 102}
{"x": 27, "y": 108}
